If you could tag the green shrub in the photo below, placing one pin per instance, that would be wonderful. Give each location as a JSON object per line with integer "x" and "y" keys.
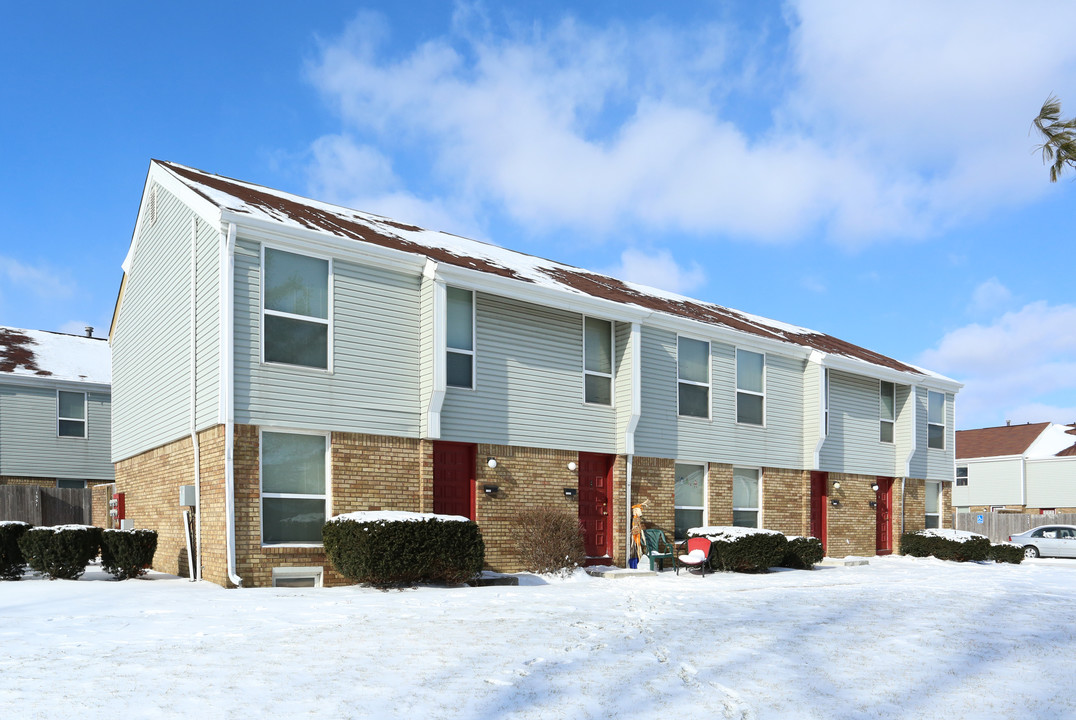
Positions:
{"x": 127, "y": 553}
{"x": 924, "y": 544}
{"x": 747, "y": 552}
{"x": 554, "y": 541}
{"x": 388, "y": 553}
{"x": 1007, "y": 553}
{"x": 802, "y": 553}
{"x": 12, "y": 562}
{"x": 62, "y": 551}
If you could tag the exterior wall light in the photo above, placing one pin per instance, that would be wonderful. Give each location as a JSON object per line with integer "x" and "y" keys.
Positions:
{"x": 836, "y": 484}
{"x": 572, "y": 466}
{"x": 874, "y": 487}
{"x": 492, "y": 462}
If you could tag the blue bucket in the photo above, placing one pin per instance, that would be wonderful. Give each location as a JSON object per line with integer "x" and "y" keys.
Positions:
{"x": 633, "y": 563}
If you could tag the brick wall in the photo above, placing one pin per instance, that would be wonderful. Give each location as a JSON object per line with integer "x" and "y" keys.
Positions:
{"x": 13, "y": 480}
{"x": 653, "y": 480}
{"x": 786, "y": 501}
{"x": 99, "y": 507}
{"x": 851, "y": 524}
{"x": 719, "y": 495}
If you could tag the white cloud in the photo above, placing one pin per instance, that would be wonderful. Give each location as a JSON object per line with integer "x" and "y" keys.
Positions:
{"x": 1024, "y": 360}
{"x": 659, "y": 270}
{"x": 40, "y": 281}
{"x": 989, "y": 295}
{"x": 813, "y": 283}
{"x": 893, "y": 119}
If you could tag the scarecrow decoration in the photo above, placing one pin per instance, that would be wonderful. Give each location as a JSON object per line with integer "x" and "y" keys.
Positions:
{"x": 638, "y": 539}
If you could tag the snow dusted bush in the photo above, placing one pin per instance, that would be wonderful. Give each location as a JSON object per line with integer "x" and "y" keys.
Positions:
{"x": 553, "y": 541}
{"x": 12, "y": 562}
{"x": 956, "y": 545}
{"x": 387, "y": 550}
{"x": 1007, "y": 553}
{"x": 803, "y": 553}
{"x": 127, "y": 553}
{"x": 738, "y": 549}
{"x": 61, "y": 551}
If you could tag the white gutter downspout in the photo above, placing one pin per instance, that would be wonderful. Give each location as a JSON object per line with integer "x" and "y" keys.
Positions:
{"x": 196, "y": 567}
{"x": 228, "y": 399}
{"x": 635, "y": 345}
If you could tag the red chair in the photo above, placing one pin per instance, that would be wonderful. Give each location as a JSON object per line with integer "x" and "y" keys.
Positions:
{"x": 697, "y": 555}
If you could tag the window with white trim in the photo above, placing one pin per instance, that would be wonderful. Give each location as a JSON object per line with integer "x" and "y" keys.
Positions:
{"x": 689, "y": 502}
{"x": 459, "y": 338}
{"x": 933, "y": 505}
{"x": 750, "y": 387}
{"x": 961, "y": 475}
{"x": 597, "y": 361}
{"x": 70, "y": 414}
{"x": 745, "y": 497}
{"x": 294, "y": 496}
{"x": 887, "y": 410}
{"x": 295, "y": 309}
{"x": 297, "y": 577}
{"x": 693, "y": 377}
{"x": 935, "y": 420}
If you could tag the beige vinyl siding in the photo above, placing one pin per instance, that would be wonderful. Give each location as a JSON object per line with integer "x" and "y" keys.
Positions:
{"x": 1051, "y": 483}
{"x": 29, "y": 446}
{"x": 622, "y": 381}
{"x": 374, "y": 385}
{"x": 662, "y": 433}
{"x": 853, "y": 444}
{"x": 426, "y": 351}
{"x": 990, "y": 482}
{"x": 904, "y": 429}
{"x": 208, "y": 326}
{"x": 151, "y": 340}
{"x": 813, "y": 417}
{"x": 528, "y": 382}
{"x": 927, "y": 463}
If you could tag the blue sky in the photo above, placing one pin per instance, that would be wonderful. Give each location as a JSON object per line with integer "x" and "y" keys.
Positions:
{"x": 862, "y": 170}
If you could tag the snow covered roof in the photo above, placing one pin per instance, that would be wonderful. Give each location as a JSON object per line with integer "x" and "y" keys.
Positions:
{"x": 268, "y": 205}
{"x": 55, "y": 356}
{"x": 1035, "y": 440}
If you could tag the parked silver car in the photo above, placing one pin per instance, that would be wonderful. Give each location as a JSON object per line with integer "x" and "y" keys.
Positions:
{"x": 1047, "y": 541}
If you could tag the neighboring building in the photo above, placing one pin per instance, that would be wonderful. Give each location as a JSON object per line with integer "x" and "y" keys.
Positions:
{"x": 295, "y": 360}
{"x": 55, "y": 416}
{"x": 1016, "y": 468}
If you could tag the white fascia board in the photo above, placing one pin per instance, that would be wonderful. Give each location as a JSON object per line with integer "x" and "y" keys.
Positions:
{"x": 993, "y": 458}
{"x": 1062, "y": 459}
{"x": 861, "y": 367}
{"x": 58, "y": 383}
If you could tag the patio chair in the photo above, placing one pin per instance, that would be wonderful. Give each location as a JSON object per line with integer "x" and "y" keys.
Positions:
{"x": 658, "y": 548}
{"x": 695, "y": 553}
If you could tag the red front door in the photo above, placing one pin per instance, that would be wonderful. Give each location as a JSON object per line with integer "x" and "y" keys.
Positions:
{"x": 819, "y": 498}
{"x": 595, "y": 503}
{"x": 453, "y": 479}
{"x": 884, "y": 516}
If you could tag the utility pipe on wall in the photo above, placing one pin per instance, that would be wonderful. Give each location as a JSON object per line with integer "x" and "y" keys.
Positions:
{"x": 228, "y": 399}
{"x": 194, "y": 563}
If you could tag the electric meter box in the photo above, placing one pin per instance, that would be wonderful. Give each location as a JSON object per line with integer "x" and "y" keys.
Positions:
{"x": 186, "y": 496}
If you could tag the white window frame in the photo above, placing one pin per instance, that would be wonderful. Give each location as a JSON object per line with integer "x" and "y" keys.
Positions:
{"x": 705, "y": 492}
{"x": 473, "y": 352}
{"x": 933, "y": 486}
{"x": 318, "y": 573}
{"x": 959, "y": 478}
{"x": 941, "y": 424}
{"x": 293, "y": 496}
{"x": 736, "y": 382}
{"x": 881, "y": 420}
{"x": 595, "y": 373}
{"x": 328, "y": 322}
{"x": 709, "y": 379}
{"x": 85, "y": 419}
{"x": 757, "y": 510}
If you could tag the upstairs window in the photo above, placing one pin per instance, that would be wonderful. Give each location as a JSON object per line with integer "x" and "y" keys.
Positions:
{"x": 693, "y": 377}
{"x": 70, "y": 414}
{"x": 745, "y": 507}
{"x": 295, "y": 317}
{"x": 936, "y": 420}
{"x": 962, "y": 476}
{"x": 597, "y": 361}
{"x": 750, "y": 388}
{"x": 459, "y": 338}
{"x": 887, "y": 403}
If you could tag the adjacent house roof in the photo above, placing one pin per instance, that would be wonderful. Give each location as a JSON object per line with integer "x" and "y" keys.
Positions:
{"x": 1036, "y": 440}
{"x": 54, "y": 356}
{"x": 268, "y": 205}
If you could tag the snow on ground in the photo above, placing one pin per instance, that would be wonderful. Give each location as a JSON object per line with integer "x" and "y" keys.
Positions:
{"x": 899, "y": 638}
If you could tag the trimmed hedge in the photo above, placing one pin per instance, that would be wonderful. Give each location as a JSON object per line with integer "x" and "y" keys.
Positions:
{"x": 386, "y": 553}
{"x": 554, "y": 541}
{"x": 127, "y": 553}
{"x": 915, "y": 544}
{"x": 802, "y": 553}
{"x": 757, "y": 552}
{"x": 62, "y": 551}
{"x": 12, "y": 562}
{"x": 1007, "y": 553}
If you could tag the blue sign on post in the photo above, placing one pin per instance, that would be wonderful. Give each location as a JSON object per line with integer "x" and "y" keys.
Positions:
{"x": 979, "y": 519}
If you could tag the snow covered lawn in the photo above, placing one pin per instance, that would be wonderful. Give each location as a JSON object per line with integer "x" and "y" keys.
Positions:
{"x": 899, "y": 638}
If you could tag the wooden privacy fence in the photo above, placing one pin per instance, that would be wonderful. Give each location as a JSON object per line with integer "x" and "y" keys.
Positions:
{"x": 999, "y": 526}
{"x": 46, "y": 506}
